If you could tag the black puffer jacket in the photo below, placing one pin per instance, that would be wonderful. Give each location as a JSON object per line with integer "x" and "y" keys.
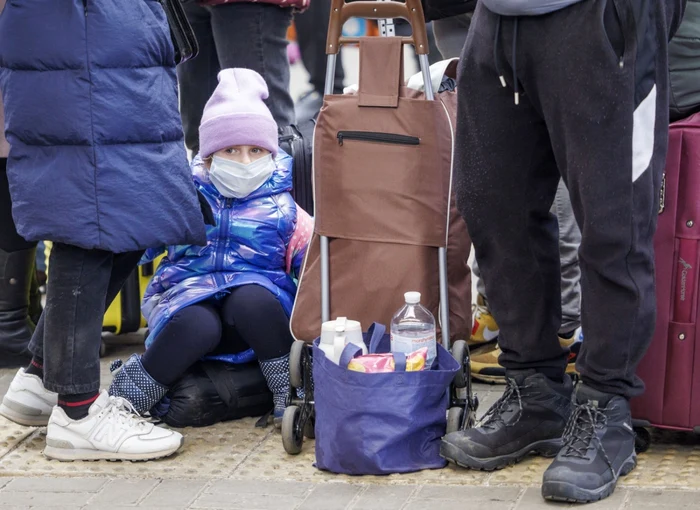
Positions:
{"x": 439, "y": 9}
{"x": 684, "y": 64}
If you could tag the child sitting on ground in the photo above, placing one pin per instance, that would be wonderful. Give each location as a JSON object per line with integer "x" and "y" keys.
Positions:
{"x": 230, "y": 300}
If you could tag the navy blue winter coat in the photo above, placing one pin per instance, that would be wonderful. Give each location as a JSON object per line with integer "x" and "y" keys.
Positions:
{"x": 97, "y": 157}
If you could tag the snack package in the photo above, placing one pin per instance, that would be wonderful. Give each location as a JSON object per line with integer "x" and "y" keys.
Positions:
{"x": 378, "y": 363}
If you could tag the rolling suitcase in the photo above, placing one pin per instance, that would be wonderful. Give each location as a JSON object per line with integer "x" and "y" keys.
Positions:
{"x": 671, "y": 367}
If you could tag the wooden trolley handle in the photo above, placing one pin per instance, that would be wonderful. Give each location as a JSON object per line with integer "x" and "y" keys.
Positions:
{"x": 341, "y": 11}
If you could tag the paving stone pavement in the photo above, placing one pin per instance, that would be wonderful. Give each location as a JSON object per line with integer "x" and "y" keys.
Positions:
{"x": 237, "y": 466}
{"x": 119, "y": 494}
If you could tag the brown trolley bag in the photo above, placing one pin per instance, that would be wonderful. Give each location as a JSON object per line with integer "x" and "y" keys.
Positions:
{"x": 386, "y": 220}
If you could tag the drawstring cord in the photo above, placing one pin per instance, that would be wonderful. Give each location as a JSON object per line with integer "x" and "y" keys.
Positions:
{"x": 496, "y": 60}
{"x": 516, "y": 85}
{"x": 496, "y": 51}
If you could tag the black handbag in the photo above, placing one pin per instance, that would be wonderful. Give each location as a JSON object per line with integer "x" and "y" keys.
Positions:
{"x": 184, "y": 40}
{"x": 212, "y": 391}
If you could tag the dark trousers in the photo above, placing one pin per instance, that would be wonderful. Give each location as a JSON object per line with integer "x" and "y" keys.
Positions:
{"x": 250, "y": 35}
{"x": 82, "y": 284}
{"x": 249, "y": 317}
{"x": 10, "y": 240}
{"x": 312, "y": 29}
{"x": 593, "y": 109}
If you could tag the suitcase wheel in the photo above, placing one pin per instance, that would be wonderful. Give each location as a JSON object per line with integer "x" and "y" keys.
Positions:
{"x": 459, "y": 352}
{"x": 292, "y": 433}
{"x": 296, "y": 369}
{"x": 642, "y": 439}
{"x": 455, "y": 417}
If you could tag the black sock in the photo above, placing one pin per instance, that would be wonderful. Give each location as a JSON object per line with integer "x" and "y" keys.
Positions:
{"x": 35, "y": 367}
{"x": 77, "y": 406}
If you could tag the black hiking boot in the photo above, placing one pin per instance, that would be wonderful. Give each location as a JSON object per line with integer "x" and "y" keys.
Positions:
{"x": 530, "y": 417}
{"x": 598, "y": 449}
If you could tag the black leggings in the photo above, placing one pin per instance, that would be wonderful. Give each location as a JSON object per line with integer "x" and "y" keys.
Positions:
{"x": 10, "y": 240}
{"x": 250, "y": 317}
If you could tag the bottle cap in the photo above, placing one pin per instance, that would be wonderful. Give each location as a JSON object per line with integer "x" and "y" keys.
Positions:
{"x": 412, "y": 298}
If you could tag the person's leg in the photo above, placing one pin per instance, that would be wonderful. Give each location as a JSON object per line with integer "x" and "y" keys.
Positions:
{"x": 484, "y": 362}
{"x": 17, "y": 278}
{"x": 190, "y": 334}
{"x": 569, "y": 242}
{"x": 197, "y": 78}
{"x": 82, "y": 283}
{"x": 504, "y": 157}
{"x": 609, "y": 134}
{"x": 261, "y": 322}
{"x": 254, "y": 36}
{"x": 77, "y": 273}
{"x": 311, "y": 28}
{"x": 451, "y": 33}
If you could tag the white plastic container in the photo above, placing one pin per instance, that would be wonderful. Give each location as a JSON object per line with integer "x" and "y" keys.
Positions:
{"x": 335, "y": 335}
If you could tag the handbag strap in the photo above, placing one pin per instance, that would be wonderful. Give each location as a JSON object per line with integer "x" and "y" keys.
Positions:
{"x": 376, "y": 335}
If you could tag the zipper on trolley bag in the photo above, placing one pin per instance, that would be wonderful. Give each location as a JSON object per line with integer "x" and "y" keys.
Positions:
{"x": 372, "y": 136}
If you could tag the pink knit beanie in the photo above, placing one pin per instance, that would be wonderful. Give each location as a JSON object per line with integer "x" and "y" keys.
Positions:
{"x": 236, "y": 114}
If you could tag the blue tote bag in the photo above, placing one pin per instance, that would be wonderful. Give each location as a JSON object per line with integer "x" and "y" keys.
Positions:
{"x": 382, "y": 423}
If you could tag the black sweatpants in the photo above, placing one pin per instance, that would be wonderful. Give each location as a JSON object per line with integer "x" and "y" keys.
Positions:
{"x": 593, "y": 107}
{"x": 249, "y": 317}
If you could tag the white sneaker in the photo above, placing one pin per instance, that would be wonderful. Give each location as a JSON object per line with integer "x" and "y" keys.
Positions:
{"x": 112, "y": 430}
{"x": 27, "y": 402}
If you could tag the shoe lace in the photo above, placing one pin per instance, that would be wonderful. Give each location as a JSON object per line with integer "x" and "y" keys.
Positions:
{"x": 580, "y": 432}
{"x": 510, "y": 396}
{"x": 124, "y": 412}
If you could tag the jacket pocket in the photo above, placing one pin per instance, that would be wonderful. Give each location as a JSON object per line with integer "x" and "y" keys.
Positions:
{"x": 614, "y": 28}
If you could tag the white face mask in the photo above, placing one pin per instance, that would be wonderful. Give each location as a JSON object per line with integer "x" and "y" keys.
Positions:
{"x": 237, "y": 180}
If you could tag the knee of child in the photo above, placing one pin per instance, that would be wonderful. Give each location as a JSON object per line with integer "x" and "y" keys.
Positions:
{"x": 200, "y": 320}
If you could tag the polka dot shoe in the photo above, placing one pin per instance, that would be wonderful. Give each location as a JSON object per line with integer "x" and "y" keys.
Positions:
{"x": 132, "y": 382}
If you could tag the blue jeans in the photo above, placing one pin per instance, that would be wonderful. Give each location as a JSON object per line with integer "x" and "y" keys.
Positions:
{"x": 82, "y": 284}
{"x": 250, "y": 35}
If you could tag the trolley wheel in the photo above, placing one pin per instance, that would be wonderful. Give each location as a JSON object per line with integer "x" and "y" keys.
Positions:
{"x": 459, "y": 352}
{"x": 296, "y": 369}
{"x": 292, "y": 439}
{"x": 103, "y": 349}
{"x": 454, "y": 419}
{"x": 310, "y": 427}
{"x": 642, "y": 439}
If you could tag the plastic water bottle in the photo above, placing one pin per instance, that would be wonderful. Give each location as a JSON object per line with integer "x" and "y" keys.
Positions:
{"x": 413, "y": 327}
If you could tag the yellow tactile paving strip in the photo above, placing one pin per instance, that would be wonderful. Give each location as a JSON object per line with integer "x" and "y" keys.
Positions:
{"x": 238, "y": 449}
{"x": 11, "y": 435}
{"x": 269, "y": 460}
{"x": 213, "y": 452}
